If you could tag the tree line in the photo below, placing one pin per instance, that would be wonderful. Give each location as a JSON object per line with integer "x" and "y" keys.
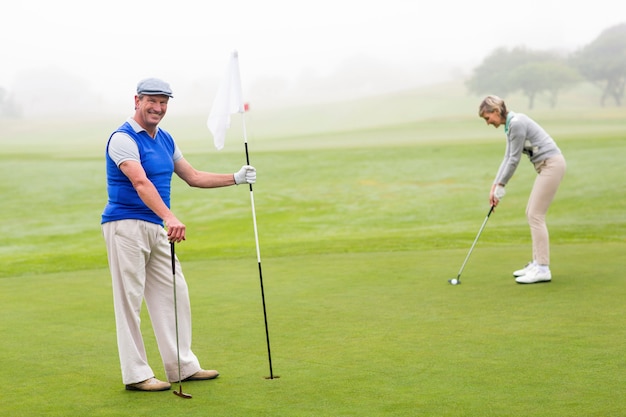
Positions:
{"x": 602, "y": 62}
{"x": 532, "y": 72}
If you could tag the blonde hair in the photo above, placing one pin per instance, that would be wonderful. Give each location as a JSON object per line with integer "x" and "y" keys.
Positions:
{"x": 491, "y": 104}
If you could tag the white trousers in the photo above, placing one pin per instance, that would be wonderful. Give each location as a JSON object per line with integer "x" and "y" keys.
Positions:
{"x": 140, "y": 262}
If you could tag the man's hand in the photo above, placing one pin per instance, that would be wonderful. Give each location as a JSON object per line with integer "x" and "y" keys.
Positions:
{"x": 247, "y": 174}
{"x": 175, "y": 230}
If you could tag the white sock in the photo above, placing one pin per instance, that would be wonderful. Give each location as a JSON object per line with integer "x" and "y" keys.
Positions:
{"x": 543, "y": 268}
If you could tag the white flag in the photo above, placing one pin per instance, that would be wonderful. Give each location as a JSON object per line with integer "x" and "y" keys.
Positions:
{"x": 227, "y": 101}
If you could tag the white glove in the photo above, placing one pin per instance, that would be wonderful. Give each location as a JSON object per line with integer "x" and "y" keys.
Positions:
{"x": 499, "y": 192}
{"x": 247, "y": 174}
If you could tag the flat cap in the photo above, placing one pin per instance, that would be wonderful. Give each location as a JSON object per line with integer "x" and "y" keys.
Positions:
{"x": 154, "y": 87}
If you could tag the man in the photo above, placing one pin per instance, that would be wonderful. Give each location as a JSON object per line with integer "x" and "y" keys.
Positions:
{"x": 138, "y": 226}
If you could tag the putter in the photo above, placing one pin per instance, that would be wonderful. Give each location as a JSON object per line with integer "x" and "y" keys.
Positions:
{"x": 457, "y": 280}
{"x": 180, "y": 392}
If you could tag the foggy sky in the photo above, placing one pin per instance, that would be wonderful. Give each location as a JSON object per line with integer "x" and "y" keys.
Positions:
{"x": 287, "y": 49}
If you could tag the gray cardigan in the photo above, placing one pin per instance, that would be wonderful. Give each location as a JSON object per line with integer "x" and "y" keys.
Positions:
{"x": 524, "y": 135}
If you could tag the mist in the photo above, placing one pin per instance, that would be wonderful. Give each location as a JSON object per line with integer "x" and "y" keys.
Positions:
{"x": 70, "y": 58}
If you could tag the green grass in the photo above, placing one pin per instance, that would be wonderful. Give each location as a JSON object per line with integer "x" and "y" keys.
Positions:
{"x": 362, "y": 218}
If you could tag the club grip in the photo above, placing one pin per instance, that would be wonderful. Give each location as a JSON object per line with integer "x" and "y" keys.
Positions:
{"x": 173, "y": 252}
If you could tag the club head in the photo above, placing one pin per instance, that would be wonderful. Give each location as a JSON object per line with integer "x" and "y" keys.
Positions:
{"x": 454, "y": 281}
{"x": 181, "y": 394}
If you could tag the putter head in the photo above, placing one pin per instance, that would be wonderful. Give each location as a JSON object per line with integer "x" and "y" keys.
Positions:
{"x": 454, "y": 281}
{"x": 181, "y": 394}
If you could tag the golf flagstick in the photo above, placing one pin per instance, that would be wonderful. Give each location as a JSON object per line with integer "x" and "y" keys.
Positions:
{"x": 258, "y": 253}
{"x": 228, "y": 101}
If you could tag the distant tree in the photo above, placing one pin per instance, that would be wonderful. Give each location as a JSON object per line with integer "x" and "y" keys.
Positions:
{"x": 531, "y": 72}
{"x": 493, "y": 75}
{"x": 603, "y": 62}
{"x": 551, "y": 76}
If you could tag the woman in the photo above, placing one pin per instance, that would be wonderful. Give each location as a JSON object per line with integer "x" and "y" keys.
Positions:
{"x": 523, "y": 135}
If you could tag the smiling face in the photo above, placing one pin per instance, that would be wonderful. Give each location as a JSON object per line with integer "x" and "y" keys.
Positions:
{"x": 493, "y": 118}
{"x": 150, "y": 110}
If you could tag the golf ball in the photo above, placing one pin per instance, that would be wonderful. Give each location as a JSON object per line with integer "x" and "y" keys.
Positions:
{"x": 454, "y": 281}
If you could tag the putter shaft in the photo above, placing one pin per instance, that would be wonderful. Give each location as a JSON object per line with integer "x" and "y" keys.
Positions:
{"x": 180, "y": 392}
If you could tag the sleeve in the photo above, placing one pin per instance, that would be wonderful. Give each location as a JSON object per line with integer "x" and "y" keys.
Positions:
{"x": 178, "y": 154}
{"x": 512, "y": 154}
{"x": 123, "y": 148}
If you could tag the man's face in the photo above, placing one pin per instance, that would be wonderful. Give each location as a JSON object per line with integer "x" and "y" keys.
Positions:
{"x": 151, "y": 109}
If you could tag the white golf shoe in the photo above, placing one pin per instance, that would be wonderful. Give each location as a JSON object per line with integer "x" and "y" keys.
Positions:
{"x": 524, "y": 270}
{"x": 534, "y": 275}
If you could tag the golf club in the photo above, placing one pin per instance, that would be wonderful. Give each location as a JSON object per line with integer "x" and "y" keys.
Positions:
{"x": 180, "y": 392}
{"x": 457, "y": 280}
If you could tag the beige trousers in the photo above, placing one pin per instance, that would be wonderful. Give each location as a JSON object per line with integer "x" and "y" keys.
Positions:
{"x": 550, "y": 173}
{"x": 140, "y": 262}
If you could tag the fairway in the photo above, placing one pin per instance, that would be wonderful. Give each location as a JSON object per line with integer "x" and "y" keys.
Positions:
{"x": 362, "y": 220}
